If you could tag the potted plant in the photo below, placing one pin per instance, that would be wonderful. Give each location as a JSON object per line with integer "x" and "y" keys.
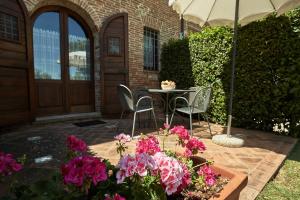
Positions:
{"x": 152, "y": 172}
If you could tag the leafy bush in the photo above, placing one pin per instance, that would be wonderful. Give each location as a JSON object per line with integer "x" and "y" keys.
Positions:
{"x": 176, "y": 63}
{"x": 267, "y": 84}
{"x": 210, "y": 54}
{"x": 267, "y": 68}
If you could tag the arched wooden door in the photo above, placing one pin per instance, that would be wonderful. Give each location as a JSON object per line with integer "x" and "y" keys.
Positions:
{"x": 114, "y": 61}
{"x": 15, "y": 59}
{"x": 63, "y": 62}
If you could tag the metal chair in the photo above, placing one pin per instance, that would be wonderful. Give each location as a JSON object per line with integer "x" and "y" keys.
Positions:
{"x": 196, "y": 103}
{"x": 143, "y": 104}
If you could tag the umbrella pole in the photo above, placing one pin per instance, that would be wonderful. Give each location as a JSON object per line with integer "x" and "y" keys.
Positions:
{"x": 235, "y": 32}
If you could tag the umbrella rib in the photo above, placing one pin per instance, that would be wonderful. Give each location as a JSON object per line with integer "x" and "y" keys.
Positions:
{"x": 210, "y": 11}
{"x": 271, "y": 2}
{"x": 187, "y": 7}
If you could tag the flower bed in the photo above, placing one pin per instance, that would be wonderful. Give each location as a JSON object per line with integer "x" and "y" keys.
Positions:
{"x": 150, "y": 173}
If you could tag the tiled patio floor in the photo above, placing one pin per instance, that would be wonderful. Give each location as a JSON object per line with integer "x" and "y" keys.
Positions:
{"x": 260, "y": 158}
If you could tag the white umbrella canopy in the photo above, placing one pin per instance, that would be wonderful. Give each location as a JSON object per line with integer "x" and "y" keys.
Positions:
{"x": 222, "y": 12}
{"x": 230, "y": 13}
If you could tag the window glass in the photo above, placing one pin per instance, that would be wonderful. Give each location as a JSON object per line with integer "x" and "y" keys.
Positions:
{"x": 79, "y": 52}
{"x": 114, "y": 46}
{"x": 150, "y": 49}
{"x": 46, "y": 45}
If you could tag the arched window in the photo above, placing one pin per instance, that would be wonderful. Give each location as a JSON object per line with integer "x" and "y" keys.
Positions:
{"x": 48, "y": 41}
{"x": 62, "y": 46}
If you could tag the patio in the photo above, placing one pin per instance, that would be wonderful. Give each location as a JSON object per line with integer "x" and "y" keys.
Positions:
{"x": 260, "y": 158}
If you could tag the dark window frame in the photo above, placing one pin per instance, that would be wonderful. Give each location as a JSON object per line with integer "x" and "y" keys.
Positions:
{"x": 18, "y": 28}
{"x": 154, "y": 37}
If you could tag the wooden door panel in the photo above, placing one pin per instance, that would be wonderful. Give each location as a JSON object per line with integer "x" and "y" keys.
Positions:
{"x": 81, "y": 96}
{"x": 80, "y": 93}
{"x": 115, "y": 67}
{"x": 50, "y": 94}
{"x": 50, "y": 99}
{"x": 14, "y": 65}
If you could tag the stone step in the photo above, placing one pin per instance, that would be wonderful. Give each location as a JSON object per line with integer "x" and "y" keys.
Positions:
{"x": 68, "y": 117}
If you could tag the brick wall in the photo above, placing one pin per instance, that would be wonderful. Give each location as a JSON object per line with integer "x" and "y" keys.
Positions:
{"x": 155, "y": 14}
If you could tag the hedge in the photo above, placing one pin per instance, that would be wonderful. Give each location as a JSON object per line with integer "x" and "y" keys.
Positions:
{"x": 210, "y": 54}
{"x": 176, "y": 63}
{"x": 267, "y": 84}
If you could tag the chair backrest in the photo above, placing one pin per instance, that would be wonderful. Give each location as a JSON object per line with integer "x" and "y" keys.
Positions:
{"x": 192, "y": 95}
{"x": 126, "y": 98}
{"x": 202, "y": 98}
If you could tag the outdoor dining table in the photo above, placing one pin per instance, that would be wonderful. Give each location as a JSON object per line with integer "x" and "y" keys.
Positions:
{"x": 167, "y": 92}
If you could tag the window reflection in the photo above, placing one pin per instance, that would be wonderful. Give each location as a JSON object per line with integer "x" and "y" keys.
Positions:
{"x": 114, "y": 46}
{"x": 150, "y": 49}
{"x": 79, "y": 52}
{"x": 46, "y": 45}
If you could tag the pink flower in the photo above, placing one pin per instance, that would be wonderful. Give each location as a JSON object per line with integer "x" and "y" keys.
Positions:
{"x": 115, "y": 197}
{"x": 186, "y": 179}
{"x": 166, "y": 126}
{"x": 76, "y": 144}
{"x": 148, "y": 145}
{"x": 134, "y": 164}
{"x": 193, "y": 145}
{"x": 172, "y": 174}
{"x": 84, "y": 167}
{"x": 8, "y": 164}
{"x": 208, "y": 175}
{"x": 182, "y": 133}
{"x": 123, "y": 138}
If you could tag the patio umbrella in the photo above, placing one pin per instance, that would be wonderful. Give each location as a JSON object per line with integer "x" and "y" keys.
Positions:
{"x": 230, "y": 13}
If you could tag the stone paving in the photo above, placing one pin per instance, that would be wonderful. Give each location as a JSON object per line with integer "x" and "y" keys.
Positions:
{"x": 260, "y": 158}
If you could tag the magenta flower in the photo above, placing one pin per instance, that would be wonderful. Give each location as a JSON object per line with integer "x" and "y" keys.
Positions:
{"x": 8, "y": 164}
{"x": 208, "y": 175}
{"x": 148, "y": 145}
{"x": 123, "y": 138}
{"x": 186, "y": 179}
{"x": 193, "y": 145}
{"x": 84, "y": 168}
{"x": 182, "y": 133}
{"x": 76, "y": 144}
{"x": 115, "y": 197}
{"x": 166, "y": 126}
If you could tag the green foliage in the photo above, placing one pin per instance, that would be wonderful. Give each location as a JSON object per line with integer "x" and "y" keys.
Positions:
{"x": 286, "y": 184}
{"x": 176, "y": 63}
{"x": 147, "y": 188}
{"x": 267, "y": 74}
{"x": 267, "y": 83}
{"x": 210, "y": 54}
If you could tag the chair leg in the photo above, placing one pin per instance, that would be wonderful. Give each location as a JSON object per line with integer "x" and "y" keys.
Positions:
{"x": 207, "y": 119}
{"x": 122, "y": 114}
{"x": 149, "y": 119}
{"x": 139, "y": 119}
{"x": 199, "y": 119}
{"x": 155, "y": 120}
{"x": 133, "y": 124}
{"x": 191, "y": 124}
{"x": 171, "y": 120}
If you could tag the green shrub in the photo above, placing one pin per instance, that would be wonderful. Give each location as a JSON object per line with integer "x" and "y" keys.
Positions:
{"x": 268, "y": 58}
{"x": 210, "y": 53}
{"x": 176, "y": 63}
{"x": 267, "y": 84}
